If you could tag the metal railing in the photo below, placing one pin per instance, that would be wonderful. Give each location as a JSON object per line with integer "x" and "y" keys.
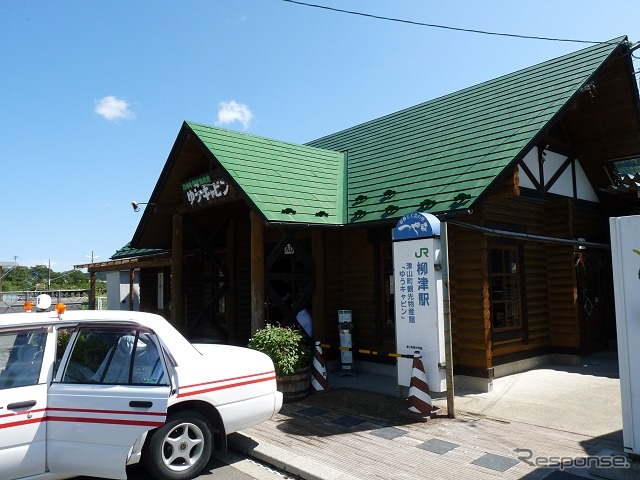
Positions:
{"x": 13, "y": 302}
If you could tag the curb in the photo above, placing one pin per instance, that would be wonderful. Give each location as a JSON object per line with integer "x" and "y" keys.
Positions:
{"x": 286, "y": 461}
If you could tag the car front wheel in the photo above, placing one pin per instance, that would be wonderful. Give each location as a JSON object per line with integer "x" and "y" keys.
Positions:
{"x": 180, "y": 449}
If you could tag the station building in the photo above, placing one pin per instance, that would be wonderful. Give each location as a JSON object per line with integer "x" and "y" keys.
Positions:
{"x": 526, "y": 170}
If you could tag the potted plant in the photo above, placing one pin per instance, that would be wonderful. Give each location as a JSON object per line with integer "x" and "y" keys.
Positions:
{"x": 288, "y": 349}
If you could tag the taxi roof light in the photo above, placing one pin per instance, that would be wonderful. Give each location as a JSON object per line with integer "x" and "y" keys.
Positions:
{"x": 43, "y": 301}
{"x": 61, "y": 308}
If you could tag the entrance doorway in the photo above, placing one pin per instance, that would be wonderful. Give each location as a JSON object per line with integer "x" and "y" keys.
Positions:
{"x": 385, "y": 324}
{"x": 591, "y": 299}
{"x": 289, "y": 279}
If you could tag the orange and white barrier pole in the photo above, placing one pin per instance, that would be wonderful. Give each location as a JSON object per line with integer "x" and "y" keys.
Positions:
{"x": 420, "y": 403}
{"x": 319, "y": 370}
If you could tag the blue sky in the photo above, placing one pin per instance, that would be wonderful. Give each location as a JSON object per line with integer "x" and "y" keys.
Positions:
{"x": 93, "y": 94}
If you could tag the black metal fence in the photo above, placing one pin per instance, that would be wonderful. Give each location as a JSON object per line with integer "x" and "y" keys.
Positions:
{"x": 13, "y": 302}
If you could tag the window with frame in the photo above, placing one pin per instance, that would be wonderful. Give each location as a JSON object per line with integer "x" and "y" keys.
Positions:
{"x": 506, "y": 311}
{"x": 120, "y": 356}
{"x": 21, "y": 357}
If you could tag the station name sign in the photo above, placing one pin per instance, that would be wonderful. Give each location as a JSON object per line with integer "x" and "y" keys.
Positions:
{"x": 418, "y": 297}
{"x": 206, "y": 189}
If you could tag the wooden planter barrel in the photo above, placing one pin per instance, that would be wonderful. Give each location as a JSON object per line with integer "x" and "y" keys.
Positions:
{"x": 296, "y": 386}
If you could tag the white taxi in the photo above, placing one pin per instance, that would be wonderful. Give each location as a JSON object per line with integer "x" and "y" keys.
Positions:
{"x": 89, "y": 392}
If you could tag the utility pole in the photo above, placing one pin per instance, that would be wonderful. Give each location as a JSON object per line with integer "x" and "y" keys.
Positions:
{"x": 92, "y": 256}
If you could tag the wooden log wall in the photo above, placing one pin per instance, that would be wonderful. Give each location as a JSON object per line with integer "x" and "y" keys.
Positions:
{"x": 525, "y": 215}
{"x": 149, "y": 291}
{"x": 198, "y": 293}
{"x": 593, "y": 225}
{"x": 564, "y": 327}
{"x": 469, "y": 292}
{"x": 536, "y": 302}
{"x": 549, "y": 287}
{"x": 359, "y": 287}
{"x": 349, "y": 285}
{"x": 334, "y": 287}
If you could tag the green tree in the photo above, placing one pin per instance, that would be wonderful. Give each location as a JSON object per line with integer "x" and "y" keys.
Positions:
{"x": 18, "y": 278}
{"x": 40, "y": 277}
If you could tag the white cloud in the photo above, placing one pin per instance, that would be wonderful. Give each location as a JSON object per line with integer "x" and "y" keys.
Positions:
{"x": 113, "y": 108}
{"x": 233, "y": 111}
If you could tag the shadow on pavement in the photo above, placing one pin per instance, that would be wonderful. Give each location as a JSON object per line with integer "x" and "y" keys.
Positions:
{"x": 341, "y": 410}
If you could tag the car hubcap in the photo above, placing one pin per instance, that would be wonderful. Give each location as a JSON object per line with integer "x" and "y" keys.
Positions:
{"x": 183, "y": 447}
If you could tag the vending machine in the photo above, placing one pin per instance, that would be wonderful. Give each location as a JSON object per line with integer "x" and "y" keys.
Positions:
{"x": 625, "y": 255}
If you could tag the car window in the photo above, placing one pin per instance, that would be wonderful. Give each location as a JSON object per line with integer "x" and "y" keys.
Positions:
{"x": 114, "y": 356}
{"x": 63, "y": 335}
{"x": 21, "y": 357}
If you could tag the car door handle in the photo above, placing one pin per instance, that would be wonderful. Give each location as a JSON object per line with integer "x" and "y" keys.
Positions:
{"x": 19, "y": 405}
{"x": 140, "y": 404}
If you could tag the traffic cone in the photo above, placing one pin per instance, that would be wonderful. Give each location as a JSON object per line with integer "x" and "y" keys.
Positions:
{"x": 319, "y": 370}
{"x": 420, "y": 404}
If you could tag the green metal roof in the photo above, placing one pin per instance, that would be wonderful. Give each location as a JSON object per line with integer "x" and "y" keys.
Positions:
{"x": 442, "y": 155}
{"x": 128, "y": 251}
{"x": 439, "y": 156}
{"x": 279, "y": 177}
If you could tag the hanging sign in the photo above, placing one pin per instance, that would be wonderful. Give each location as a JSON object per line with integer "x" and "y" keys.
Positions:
{"x": 418, "y": 297}
{"x": 206, "y": 189}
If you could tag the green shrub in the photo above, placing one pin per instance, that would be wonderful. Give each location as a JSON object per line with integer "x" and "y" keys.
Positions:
{"x": 286, "y": 347}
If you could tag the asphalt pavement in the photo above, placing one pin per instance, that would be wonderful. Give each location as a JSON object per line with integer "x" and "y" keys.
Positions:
{"x": 222, "y": 466}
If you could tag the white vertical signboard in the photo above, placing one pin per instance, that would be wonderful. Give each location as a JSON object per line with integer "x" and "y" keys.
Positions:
{"x": 418, "y": 297}
{"x": 625, "y": 255}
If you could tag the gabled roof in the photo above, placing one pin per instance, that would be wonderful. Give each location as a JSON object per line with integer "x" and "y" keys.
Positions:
{"x": 439, "y": 156}
{"x": 279, "y": 176}
{"x": 444, "y": 154}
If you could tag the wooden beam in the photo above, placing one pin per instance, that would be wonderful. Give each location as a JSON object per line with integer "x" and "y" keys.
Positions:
{"x": 177, "y": 296}
{"x": 92, "y": 291}
{"x": 230, "y": 304}
{"x": 132, "y": 296}
{"x": 127, "y": 263}
{"x": 257, "y": 273}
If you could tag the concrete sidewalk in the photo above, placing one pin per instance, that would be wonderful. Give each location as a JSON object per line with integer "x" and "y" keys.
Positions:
{"x": 583, "y": 398}
{"x": 532, "y": 426}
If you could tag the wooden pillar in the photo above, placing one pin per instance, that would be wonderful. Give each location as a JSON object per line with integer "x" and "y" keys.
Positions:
{"x": 177, "y": 296}
{"x": 230, "y": 305}
{"x": 132, "y": 296}
{"x": 92, "y": 290}
{"x": 257, "y": 273}
{"x": 318, "y": 301}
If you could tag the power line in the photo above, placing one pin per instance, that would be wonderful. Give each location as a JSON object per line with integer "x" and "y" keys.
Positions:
{"x": 445, "y": 27}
